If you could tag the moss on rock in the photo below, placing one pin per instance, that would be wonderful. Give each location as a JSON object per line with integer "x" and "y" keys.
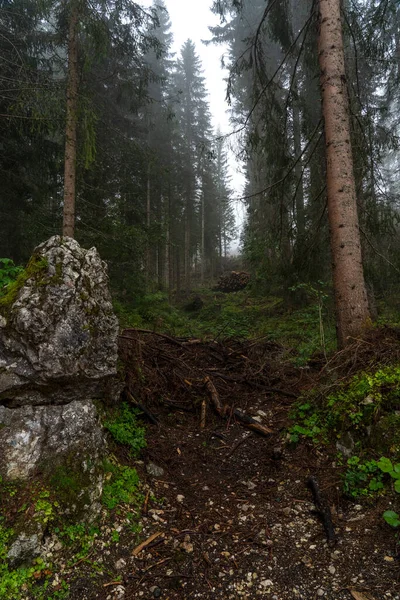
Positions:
{"x": 37, "y": 268}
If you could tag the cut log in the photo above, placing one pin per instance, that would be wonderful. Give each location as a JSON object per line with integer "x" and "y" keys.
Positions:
{"x": 233, "y": 281}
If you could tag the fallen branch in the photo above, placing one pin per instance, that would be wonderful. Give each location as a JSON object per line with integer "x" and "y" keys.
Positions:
{"x": 249, "y": 422}
{"x": 259, "y": 386}
{"x": 144, "y": 544}
{"x": 152, "y": 418}
{"x": 323, "y": 511}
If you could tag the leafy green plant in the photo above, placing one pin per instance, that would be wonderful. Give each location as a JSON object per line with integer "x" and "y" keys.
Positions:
{"x": 122, "y": 487}
{"x": 386, "y": 466}
{"x": 354, "y": 406}
{"x": 392, "y": 518}
{"x": 124, "y": 428}
{"x": 362, "y": 478}
{"x": 308, "y": 423}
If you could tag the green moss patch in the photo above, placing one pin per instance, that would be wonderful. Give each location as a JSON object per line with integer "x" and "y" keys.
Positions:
{"x": 37, "y": 269}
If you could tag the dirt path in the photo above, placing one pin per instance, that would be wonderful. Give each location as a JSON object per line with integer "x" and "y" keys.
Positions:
{"x": 234, "y": 516}
{"x": 242, "y": 526}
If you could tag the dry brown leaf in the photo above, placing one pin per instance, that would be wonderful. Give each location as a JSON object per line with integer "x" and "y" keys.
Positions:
{"x": 360, "y": 595}
{"x": 139, "y": 548}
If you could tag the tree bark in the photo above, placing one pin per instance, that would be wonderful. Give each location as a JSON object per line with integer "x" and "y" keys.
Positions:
{"x": 148, "y": 224}
{"x": 348, "y": 279}
{"x": 71, "y": 124}
{"x": 202, "y": 251}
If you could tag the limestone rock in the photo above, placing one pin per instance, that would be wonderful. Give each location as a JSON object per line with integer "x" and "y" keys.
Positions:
{"x": 24, "y": 549}
{"x": 42, "y": 436}
{"x": 58, "y": 337}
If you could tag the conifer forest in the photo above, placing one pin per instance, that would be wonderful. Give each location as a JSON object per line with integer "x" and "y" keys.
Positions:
{"x": 199, "y": 322}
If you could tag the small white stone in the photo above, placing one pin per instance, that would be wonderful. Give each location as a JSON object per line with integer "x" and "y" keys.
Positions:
{"x": 331, "y": 569}
{"x": 120, "y": 564}
{"x": 180, "y": 498}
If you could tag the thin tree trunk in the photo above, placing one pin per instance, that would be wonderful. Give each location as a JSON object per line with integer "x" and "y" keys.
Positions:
{"x": 187, "y": 245}
{"x": 148, "y": 224}
{"x": 203, "y": 254}
{"x": 348, "y": 278}
{"x": 71, "y": 124}
{"x": 178, "y": 273}
{"x": 299, "y": 200}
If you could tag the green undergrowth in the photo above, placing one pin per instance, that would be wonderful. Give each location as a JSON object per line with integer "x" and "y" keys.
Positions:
{"x": 236, "y": 315}
{"x": 122, "y": 423}
{"x": 8, "y": 273}
{"x": 81, "y": 542}
{"x": 368, "y": 405}
{"x": 122, "y": 486}
{"x": 361, "y": 417}
{"x": 36, "y": 506}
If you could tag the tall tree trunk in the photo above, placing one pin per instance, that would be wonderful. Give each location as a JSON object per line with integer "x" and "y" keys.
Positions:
{"x": 203, "y": 254}
{"x": 178, "y": 272}
{"x": 348, "y": 278}
{"x": 71, "y": 123}
{"x": 168, "y": 250}
{"x": 187, "y": 255}
{"x": 299, "y": 200}
{"x": 148, "y": 224}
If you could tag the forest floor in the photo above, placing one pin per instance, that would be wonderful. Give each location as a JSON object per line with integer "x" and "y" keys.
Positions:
{"x": 227, "y": 510}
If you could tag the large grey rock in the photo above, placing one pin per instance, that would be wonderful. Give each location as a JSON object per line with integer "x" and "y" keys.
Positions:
{"x": 58, "y": 352}
{"x": 58, "y": 338}
{"x": 41, "y": 437}
{"x": 61, "y": 447}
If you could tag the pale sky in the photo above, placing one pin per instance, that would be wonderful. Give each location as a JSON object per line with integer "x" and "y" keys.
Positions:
{"x": 191, "y": 19}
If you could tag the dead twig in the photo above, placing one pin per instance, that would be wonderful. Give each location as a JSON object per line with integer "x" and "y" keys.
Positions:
{"x": 203, "y": 414}
{"x": 146, "y": 503}
{"x": 143, "y": 545}
{"x": 157, "y": 564}
{"x": 235, "y": 447}
{"x": 152, "y": 418}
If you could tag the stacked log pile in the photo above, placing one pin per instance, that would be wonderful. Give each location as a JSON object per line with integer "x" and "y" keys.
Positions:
{"x": 233, "y": 281}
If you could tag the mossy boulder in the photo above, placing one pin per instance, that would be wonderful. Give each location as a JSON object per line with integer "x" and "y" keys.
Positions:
{"x": 58, "y": 331}
{"x": 58, "y": 358}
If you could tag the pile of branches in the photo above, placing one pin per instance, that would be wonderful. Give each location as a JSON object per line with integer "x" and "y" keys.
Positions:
{"x": 377, "y": 347}
{"x": 182, "y": 373}
{"x": 233, "y": 281}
